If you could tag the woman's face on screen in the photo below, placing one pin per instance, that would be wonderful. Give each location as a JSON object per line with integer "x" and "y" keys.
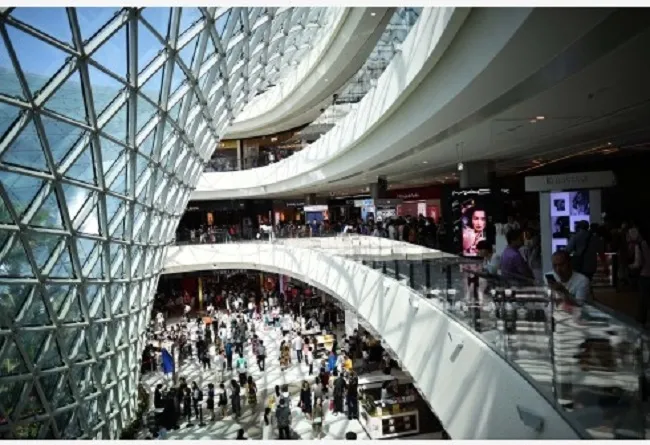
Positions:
{"x": 478, "y": 220}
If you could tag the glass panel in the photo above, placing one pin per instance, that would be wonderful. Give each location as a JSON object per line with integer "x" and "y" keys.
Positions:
{"x": 68, "y": 100}
{"x": 37, "y": 70}
{"x": 112, "y": 54}
{"x": 51, "y": 21}
{"x": 159, "y": 19}
{"x": 92, "y": 20}
{"x": 26, "y": 151}
{"x": 61, "y": 136}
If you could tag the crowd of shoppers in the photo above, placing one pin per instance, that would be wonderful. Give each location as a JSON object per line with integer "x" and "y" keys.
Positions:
{"x": 226, "y": 336}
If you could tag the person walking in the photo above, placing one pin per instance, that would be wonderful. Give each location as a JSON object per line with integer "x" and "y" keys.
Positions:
{"x": 305, "y": 399}
{"x": 241, "y": 365}
{"x": 352, "y": 396}
{"x": 339, "y": 393}
{"x": 267, "y": 425}
{"x": 229, "y": 355}
{"x": 283, "y": 416}
{"x": 223, "y": 400}
{"x": 210, "y": 401}
{"x": 309, "y": 360}
{"x": 251, "y": 388}
{"x": 318, "y": 418}
{"x": 297, "y": 346}
{"x": 235, "y": 398}
{"x": 261, "y": 355}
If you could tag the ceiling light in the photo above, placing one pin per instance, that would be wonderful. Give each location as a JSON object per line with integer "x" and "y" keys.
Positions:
{"x": 460, "y": 166}
{"x": 533, "y": 121}
{"x": 373, "y": 14}
{"x": 540, "y": 118}
{"x": 425, "y": 162}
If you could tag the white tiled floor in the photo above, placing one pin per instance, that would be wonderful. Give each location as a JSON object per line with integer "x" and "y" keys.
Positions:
{"x": 335, "y": 427}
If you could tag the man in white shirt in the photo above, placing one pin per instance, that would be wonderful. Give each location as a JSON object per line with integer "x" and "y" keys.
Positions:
{"x": 297, "y": 346}
{"x": 572, "y": 287}
{"x": 220, "y": 364}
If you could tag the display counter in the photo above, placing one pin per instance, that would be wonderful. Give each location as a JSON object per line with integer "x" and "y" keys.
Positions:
{"x": 393, "y": 416}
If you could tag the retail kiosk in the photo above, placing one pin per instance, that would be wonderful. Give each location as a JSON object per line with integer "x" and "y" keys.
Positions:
{"x": 391, "y": 417}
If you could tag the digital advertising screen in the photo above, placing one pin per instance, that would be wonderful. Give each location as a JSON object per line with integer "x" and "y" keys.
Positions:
{"x": 471, "y": 210}
{"x": 567, "y": 209}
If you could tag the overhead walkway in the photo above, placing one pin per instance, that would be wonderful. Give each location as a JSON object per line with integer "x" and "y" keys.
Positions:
{"x": 308, "y": 86}
{"x": 482, "y": 381}
{"x": 457, "y": 69}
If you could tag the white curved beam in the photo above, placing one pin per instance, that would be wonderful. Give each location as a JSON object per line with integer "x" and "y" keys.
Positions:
{"x": 474, "y": 392}
{"x": 302, "y": 92}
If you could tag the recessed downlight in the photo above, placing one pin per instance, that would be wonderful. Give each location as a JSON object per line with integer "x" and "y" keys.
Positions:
{"x": 372, "y": 14}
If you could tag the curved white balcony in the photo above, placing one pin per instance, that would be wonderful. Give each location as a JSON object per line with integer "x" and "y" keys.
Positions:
{"x": 464, "y": 66}
{"x": 472, "y": 389}
{"x": 307, "y": 87}
{"x": 425, "y": 44}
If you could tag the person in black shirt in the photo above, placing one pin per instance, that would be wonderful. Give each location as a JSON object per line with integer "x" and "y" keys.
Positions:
{"x": 339, "y": 392}
{"x": 157, "y": 397}
{"x": 210, "y": 402}
{"x": 352, "y": 396}
{"x": 187, "y": 404}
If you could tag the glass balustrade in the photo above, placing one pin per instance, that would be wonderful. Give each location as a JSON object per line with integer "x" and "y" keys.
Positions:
{"x": 590, "y": 364}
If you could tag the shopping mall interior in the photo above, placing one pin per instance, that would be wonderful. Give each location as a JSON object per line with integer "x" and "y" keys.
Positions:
{"x": 341, "y": 223}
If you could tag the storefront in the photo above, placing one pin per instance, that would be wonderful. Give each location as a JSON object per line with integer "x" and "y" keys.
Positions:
{"x": 377, "y": 209}
{"x": 343, "y": 209}
{"x": 319, "y": 213}
{"x": 288, "y": 212}
{"x": 418, "y": 201}
{"x": 225, "y": 158}
{"x": 246, "y": 215}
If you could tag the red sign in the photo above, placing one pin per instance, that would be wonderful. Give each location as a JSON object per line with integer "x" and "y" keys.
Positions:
{"x": 417, "y": 193}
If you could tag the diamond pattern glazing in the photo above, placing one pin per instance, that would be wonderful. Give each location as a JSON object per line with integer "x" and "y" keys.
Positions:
{"x": 106, "y": 117}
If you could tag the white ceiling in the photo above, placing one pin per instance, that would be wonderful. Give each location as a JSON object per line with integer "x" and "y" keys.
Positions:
{"x": 609, "y": 101}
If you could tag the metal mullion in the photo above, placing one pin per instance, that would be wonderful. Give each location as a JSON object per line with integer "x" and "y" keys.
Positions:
{"x": 40, "y": 35}
{"x": 130, "y": 211}
{"x": 14, "y": 101}
{"x": 247, "y": 54}
{"x": 233, "y": 20}
{"x": 264, "y": 58}
{"x": 97, "y": 160}
{"x": 285, "y": 29}
{"x": 103, "y": 35}
{"x": 166, "y": 83}
{"x": 16, "y": 65}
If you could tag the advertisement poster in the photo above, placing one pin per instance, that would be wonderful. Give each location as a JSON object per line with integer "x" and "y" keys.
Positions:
{"x": 472, "y": 219}
{"x": 567, "y": 208}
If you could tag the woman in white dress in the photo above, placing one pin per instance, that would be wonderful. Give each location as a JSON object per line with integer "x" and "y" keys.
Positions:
{"x": 268, "y": 425}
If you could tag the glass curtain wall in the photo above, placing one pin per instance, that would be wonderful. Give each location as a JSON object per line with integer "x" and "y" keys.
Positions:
{"x": 107, "y": 116}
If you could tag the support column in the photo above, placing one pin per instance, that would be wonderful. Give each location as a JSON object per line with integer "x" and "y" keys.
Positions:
{"x": 477, "y": 174}
{"x": 379, "y": 189}
{"x": 310, "y": 199}
{"x": 240, "y": 155}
